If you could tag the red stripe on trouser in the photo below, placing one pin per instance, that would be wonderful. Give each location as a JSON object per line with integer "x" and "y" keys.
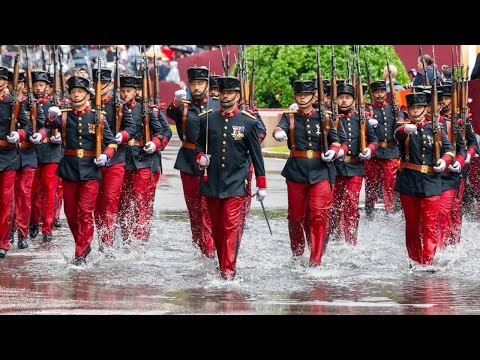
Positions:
{"x": 248, "y": 198}
{"x": 345, "y": 214}
{"x": 313, "y": 201}
{"x": 445, "y": 204}
{"x": 7, "y": 183}
{"x": 457, "y": 214}
{"x": 200, "y": 222}
{"x": 106, "y": 208}
{"x": 421, "y": 234}
{"x": 384, "y": 171}
{"x": 23, "y": 199}
{"x": 58, "y": 198}
{"x": 80, "y": 198}
{"x": 151, "y": 199}
{"x": 227, "y": 226}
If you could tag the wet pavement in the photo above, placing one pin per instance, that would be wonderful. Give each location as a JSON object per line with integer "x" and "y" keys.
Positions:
{"x": 169, "y": 276}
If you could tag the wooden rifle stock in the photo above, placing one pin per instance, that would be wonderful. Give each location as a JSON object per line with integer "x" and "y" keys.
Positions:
{"x": 454, "y": 111}
{"x": 98, "y": 113}
{"x": 360, "y": 107}
{"x": 435, "y": 117}
{"x": 32, "y": 105}
{"x": 333, "y": 91}
{"x": 393, "y": 92}
{"x": 145, "y": 96}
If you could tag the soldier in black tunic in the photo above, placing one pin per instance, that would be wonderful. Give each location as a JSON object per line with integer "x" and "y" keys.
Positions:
{"x": 9, "y": 156}
{"x": 418, "y": 181}
{"x": 232, "y": 137}
{"x": 310, "y": 189}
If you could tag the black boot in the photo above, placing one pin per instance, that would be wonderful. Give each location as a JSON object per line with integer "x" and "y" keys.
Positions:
{"x": 369, "y": 212}
{"x": 79, "y": 261}
{"x": 56, "y": 223}
{"x": 33, "y": 231}
{"x": 3, "y": 253}
{"x": 22, "y": 242}
{"x": 47, "y": 237}
{"x": 12, "y": 239}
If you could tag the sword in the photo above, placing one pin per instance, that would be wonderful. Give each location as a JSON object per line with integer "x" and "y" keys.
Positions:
{"x": 266, "y": 218}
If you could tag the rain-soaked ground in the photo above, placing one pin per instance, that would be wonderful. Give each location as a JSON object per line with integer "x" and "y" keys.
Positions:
{"x": 169, "y": 276}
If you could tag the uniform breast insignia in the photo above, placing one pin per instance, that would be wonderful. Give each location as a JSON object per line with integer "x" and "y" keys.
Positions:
{"x": 205, "y": 112}
{"x": 91, "y": 128}
{"x": 238, "y": 132}
{"x": 186, "y": 101}
{"x": 249, "y": 115}
{"x": 63, "y": 109}
{"x": 318, "y": 129}
{"x": 430, "y": 140}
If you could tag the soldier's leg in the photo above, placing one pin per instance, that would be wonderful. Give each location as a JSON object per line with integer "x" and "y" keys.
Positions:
{"x": 71, "y": 198}
{"x": 58, "y": 202}
{"x": 23, "y": 203}
{"x": 457, "y": 214}
{"x": 49, "y": 186}
{"x": 126, "y": 207}
{"x": 389, "y": 174}
{"x": 151, "y": 199}
{"x": 7, "y": 182}
{"x": 248, "y": 199}
{"x": 445, "y": 204}
{"x": 429, "y": 213}
{"x": 411, "y": 206}
{"x": 297, "y": 199}
{"x": 207, "y": 245}
{"x": 338, "y": 204}
{"x": 36, "y": 202}
{"x": 87, "y": 194}
{"x": 319, "y": 203}
{"x": 215, "y": 210}
{"x": 372, "y": 180}
{"x": 141, "y": 189}
{"x": 352, "y": 195}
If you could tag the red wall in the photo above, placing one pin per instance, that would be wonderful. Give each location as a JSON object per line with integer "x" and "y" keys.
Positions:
{"x": 409, "y": 54}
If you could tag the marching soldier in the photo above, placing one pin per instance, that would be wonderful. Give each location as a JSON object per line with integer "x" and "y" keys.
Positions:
{"x": 9, "y": 157}
{"x": 185, "y": 114}
{"x": 49, "y": 154}
{"x": 232, "y": 137}
{"x": 28, "y": 163}
{"x": 213, "y": 87}
{"x": 382, "y": 168}
{"x": 349, "y": 166}
{"x": 308, "y": 171}
{"x": 79, "y": 168}
{"x": 106, "y": 208}
{"x": 419, "y": 182}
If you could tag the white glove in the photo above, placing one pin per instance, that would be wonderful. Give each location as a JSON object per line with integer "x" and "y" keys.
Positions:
{"x": 281, "y": 135}
{"x": 261, "y": 193}
{"x": 411, "y": 129}
{"x": 36, "y": 138}
{"x": 340, "y": 155}
{"x": 180, "y": 95}
{"x": 119, "y": 138}
{"x": 53, "y": 112}
{"x": 149, "y": 147}
{"x": 56, "y": 139}
{"x": 468, "y": 159}
{"x": 205, "y": 160}
{"x": 13, "y": 138}
{"x": 294, "y": 106}
{"x": 441, "y": 165}
{"x": 367, "y": 155}
{"x": 101, "y": 161}
{"x": 373, "y": 122}
{"x": 456, "y": 167}
{"x": 328, "y": 156}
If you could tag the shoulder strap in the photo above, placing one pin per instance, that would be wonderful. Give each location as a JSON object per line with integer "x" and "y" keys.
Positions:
{"x": 184, "y": 121}
{"x": 64, "y": 128}
{"x": 292, "y": 130}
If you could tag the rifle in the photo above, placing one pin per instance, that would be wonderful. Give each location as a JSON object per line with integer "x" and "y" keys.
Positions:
{"x": 333, "y": 90}
{"x": 465, "y": 103}
{"x": 360, "y": 104}
{"x": 392, "y": 91}
{"x": 454, "y": 106}
{"x": 32, "y": 105}
{"x": 15, "y": 103}
{"x": 368, "y": 76}
{"x": 224, "y": 66}
{"x": 251, "y": 93}
{"x": 437, "y": 129}
{"x": 322, "y": 114}
{"x": 425, "y": 77}
{"x": 55, "y": 98}
{"x": 98, "y": 112}
{"x": 156, "y": 92}
{"x": 44, "y": 60}
{"x": 116, "y": 96}
{"x": 63, "y": 90}
{"x": 145, "y": 99}
{"x": 205, "y": 173}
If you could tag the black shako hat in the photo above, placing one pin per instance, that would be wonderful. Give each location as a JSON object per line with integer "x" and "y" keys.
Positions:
{"x": 3, "y": 73}
{"x": 21, "y": 75}
{"x": 417, "y": 98}
{"x": 213, "y": 82}
{"x": 78, "y": 81}
{"x": 228, "y": 83}
{"x": 378, "y": 85}
{"x": 428, "y": 96}
{"x": 40, "y": 75}
{"x": 446, "y": 89}
{"x": 128, "y": 81}
{"x": 105, "y": 74}
{"x": 304, "y": 86}
{"x": 345, "y": 88}
{"x": 197, "y": 73}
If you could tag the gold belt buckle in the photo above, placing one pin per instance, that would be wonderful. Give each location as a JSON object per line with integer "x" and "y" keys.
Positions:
{"x": 384, "y": 144}
{"x": 80, "y": 153}
{"x": 131, "y": 142}
{"x": 424, "y": 169}
{"x": 309, "y": 154}
{"x": 347, "y": 158}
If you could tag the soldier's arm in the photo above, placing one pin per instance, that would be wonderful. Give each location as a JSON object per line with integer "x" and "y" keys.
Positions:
{"x": 201, "y": 141}
{"x": 109, "y": 141}
{"x": 24, "y": 120}
{"x": 460, "y": 148}
{"x": 372, "y": 140}
{"x": 166, "y": 130}
{"x": 447, "y": 149}
{"x": 41, "y": 126}
{"x": 284, "y": 123}
{"x": 471, "y": 140}
{"x": 127, "y": 126}
{"x": 333, "y": 140}
{"x": 262, "y": 129}
{"x": 400, "y": 133}
{"x": 255, "y": 151}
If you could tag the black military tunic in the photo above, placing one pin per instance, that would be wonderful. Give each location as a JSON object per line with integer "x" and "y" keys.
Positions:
{"x": 387, "y": 145}
{"x": 421, "y": 152}
{"x": 9, "y": 157}
{"x": 28, "y": 155}
{"x": 80, "y": 136}
{"x": 351, "y": 126}
{"x": 47, "y": 152}
{"x": 231, "y": 137}
{"x": 186, "y": 161}
{"x": 307, "y": 138}
{"x": 165, "y": 138}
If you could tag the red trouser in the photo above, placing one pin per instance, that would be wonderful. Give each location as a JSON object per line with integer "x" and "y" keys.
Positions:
{"x": 376, "y": 171}
{"x": 106, "y": 208}
{"x": 7, "y": 182}
{"x": 151, "y": 200}
{"x": 80, "y": 198}
{"x": 44, "y": 183}
{"x": 421, "y": 235}
{"x": 314, "y": 201}
{"x": 450, "y": 216}
{"x": 200, "y": 222}
{"x": 58, "y": 198}
{"x": 345, "y": 207}
{"x": 248, "y": 199}
{"x": 23, "y": 199}
{"x": 134, "y": 200}
{"x": 227, "y": 229}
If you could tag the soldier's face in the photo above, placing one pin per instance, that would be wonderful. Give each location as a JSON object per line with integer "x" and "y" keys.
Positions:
{"x": 229, "y": 98}
{"x": 214, "y": 92}
{"x": 3, "y": 84}
{"x": 79, "y": 96}
{"x": 345, "y": 102}
{"x": 417, "y": 113}
{"x": 106, "y": 86}
{"x": 446, "y": 101}
{"x": 328, "y": 101}
{"x": 197, "y": 88}
{"x": 304, "y": 100}
{"x": 39, "y": 88}
{"x": 380, "y": 96}
{"x": 128, "y": 93}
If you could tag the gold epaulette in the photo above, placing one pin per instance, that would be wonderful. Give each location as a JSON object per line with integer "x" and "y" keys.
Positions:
{"x": 66, "y": 109}
{"x": 186, "y": 101}
{"x": 205, "y": 112}
{"x": 244, "y": 112}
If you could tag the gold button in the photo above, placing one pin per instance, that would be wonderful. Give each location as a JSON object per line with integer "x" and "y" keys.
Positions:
{"x": 349, "y": 152}
{"x": 80, "y": 137}
{"x": 349, "y": 145}
{"x": 309, "y": 131}
{"x": 423, "y": 163}
{"x": 309, "y": 138}
{"x": 348, "y": 118}
{"x": 79, "y": 124}
{"x": 224, "y": 142}
{"x": 223, "y": 165}
{"x": 80, "y": 143}
{"x": 308, "y": 126}
{"x": 129, "y": 110}
{"x": 223, "y": 150}
{"x": 224, "y": 135}
{"x": 309, "y": 144}
{"x": 424, "y": 142}
{"x": 80, "y": 130}
{"x": 308, "y": 120}
{"x": 226, "y": 120}
{"x": 223, "y": 157}
{"x": 225, "y": 128}
{"x": 79, "y": 118}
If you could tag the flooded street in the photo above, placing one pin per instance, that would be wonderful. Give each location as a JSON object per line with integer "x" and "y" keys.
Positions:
{"x": 168, "y": 275}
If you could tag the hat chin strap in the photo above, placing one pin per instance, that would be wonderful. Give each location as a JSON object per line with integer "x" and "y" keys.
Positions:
{"x": 309, "y": 101}
{"x": 79, "y": 101}
{"x": 416, "y": 117}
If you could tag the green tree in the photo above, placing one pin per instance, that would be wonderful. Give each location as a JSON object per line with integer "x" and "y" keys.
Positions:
{"x": 277, "y": 66}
